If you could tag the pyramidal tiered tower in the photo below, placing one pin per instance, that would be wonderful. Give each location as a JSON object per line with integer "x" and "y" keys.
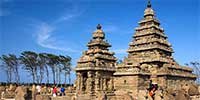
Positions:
{"x": 150, "y": 58}
{"x": 96, "y": 66}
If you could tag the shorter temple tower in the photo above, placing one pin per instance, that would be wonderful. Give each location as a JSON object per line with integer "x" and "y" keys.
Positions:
{"x": 96, "y": 66}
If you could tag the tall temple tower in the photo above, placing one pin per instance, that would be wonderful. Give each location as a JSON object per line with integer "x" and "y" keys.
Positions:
{"x": 96, "y": 66}
{"x": 150, "y": 58}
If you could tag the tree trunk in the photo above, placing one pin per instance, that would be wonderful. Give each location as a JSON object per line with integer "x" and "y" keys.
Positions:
{"x": 36, "y": 76}
{"x": 59, "y": 75}
{"x": 33, "y": 77}
{"x": 17, "y": 74}
{"x": 54, "y": 80}
{"x": 47, "y": 74}
{"x": 65, "y": 78}
{"x": 41, "y": 74}
{"x": 69, "y": 77}
{"x": 10, "y": 75}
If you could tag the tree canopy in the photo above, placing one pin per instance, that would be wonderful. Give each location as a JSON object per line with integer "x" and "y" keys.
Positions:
{"x": 37, "y": 65}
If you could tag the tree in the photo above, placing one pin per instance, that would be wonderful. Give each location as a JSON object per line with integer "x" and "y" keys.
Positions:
{"x": 29, "y": 60}
{"x": 36, "y": 64}
{"x": 59, "y": 72}
{"x": 43, "y": 63}
{"x": 15, "y": 65}
{"x": 7, "y": 66}
{"x": 196, "y": 68}
{"x": 52, "y": 62}
{"x": 66, "y": 63}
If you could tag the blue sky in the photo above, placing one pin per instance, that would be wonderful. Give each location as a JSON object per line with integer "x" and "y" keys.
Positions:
{"x": 65, "y": 26}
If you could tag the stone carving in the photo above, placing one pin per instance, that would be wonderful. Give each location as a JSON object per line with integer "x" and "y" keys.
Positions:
{"x": 98, "y": 62}
{"x": 149, "y": 58}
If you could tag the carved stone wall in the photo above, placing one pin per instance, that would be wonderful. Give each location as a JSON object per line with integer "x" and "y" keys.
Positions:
{"x": 149, "y": 59}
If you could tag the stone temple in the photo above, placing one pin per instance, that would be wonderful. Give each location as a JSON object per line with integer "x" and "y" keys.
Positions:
{"x": 149, "y": 58}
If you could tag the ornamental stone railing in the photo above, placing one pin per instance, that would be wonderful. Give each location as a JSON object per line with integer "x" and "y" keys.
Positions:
{"x": 149, "y": 26}
{"x": 148, "y": 32}
{"x": 149, "y": 46}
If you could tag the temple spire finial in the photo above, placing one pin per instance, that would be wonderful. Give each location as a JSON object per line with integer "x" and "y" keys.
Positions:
{"x": 99, "y": 26}
{"x": 149, "y": 4}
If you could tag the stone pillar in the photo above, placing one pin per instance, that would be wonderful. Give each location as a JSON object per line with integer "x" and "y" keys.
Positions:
{"x": 79, "y": 82}
{"x": 111, "y": 85}
{"x": 89, "y": 82}
{"x": 101, "y": 83}
{"x": 104, "y": 84}
{"x": 82, "y": 85}
{"x": 97, "y": 81}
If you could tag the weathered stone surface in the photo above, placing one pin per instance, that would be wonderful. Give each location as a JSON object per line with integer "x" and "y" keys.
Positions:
{"x": 193, "y": 90}
{"x": 20, "y": 94}
{"x": 149, "y": 72}
{"x": 43, "y": 97}
{"x": 150, "y": 58}
{"x": 181, "y": 95}
{"x": 96, "y": 67}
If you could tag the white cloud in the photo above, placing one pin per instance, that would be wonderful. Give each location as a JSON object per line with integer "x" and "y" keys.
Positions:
{"x": 45, "y": 32}
{"x": 66, "y": 17}
{"x": 69, "y": 14}
{"x": 45, "y": 39}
